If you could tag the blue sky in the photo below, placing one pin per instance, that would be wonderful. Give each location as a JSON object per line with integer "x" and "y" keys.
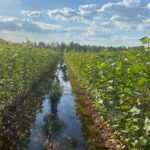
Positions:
{"x": 94, "y": 22}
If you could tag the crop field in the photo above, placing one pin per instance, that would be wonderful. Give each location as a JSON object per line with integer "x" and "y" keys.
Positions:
{"x": 36, "y": 85}
{"x": 119, "y": 85}
{"x": 20, "y": 67}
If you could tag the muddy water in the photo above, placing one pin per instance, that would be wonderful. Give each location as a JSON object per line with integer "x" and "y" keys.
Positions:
{"x": 69, "y": 134}
{"x": 33, "y": 125}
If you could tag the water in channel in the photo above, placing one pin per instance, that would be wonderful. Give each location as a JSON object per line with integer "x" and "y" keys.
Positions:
{"x": 66, "y": 128}
{"x": 49, "y": 121}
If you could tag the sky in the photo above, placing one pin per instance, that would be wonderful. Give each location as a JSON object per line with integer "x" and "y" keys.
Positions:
{"x": 90, "y": 22}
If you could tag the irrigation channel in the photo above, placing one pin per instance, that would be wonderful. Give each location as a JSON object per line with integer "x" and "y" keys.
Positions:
{"x": 51, "y": 118}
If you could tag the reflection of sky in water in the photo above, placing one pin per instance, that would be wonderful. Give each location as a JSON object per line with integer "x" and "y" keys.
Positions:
{"x": 66, "y": 85}
{"x": 66, "y": 113}
{"x": 38, "y": 132}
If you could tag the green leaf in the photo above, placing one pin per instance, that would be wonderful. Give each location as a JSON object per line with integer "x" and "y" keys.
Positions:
{"x": 142, "y": 80}
{"x": 136, "y": 68}
{"x": 145, "y": 40}
{"x": 101, "y": 66}
{"x": 125, "y": 107}
{"x": 130, "y": 57}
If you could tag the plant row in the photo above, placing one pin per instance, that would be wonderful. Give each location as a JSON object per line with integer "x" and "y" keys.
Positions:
{"x": 20, "y": 67}
{"x": 119, "y": 83}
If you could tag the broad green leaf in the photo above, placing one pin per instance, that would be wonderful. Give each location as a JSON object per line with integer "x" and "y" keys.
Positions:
{"x": 142, "y": 80}
{"x": 145, "y": 40}
{"x": 101, "y": 66}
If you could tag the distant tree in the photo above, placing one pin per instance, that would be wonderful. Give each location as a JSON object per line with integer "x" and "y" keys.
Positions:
{"x": 35, "y": 44}
{"x": 41, "y": 44}
{"x": 63, "y": 46}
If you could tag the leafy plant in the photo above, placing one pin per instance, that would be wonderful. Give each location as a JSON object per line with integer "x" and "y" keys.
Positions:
{"x": 20, "y": 67}
{"x": 119, "y": 85}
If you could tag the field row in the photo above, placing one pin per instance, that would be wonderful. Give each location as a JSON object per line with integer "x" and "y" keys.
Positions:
{"x": 119, "y": 84}
{"x": 20, "y": 67}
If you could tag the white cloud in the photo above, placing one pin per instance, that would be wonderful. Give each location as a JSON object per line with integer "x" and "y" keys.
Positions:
{"x": 88, "y": 12}
{"x": 31, "y": 13}
{"x": 7, "y": 19}
{"x": 85, "y": 13}
{"x": 28, "y": 25}
{"x": 97, "y": 30}
{"x": 87, "y": 7}
{"x": 148, "y": 5}
{"x": 145, "y": 25}
{"x": 63, "y": 14}
{"x": 46, "y": 27}
{"x": 125, "y": 15}
{"x": 122, "y": 23}
{"x": 131, "y": 3}
{"x": 15, "y": 24}
{"x": 105, "y": 7}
